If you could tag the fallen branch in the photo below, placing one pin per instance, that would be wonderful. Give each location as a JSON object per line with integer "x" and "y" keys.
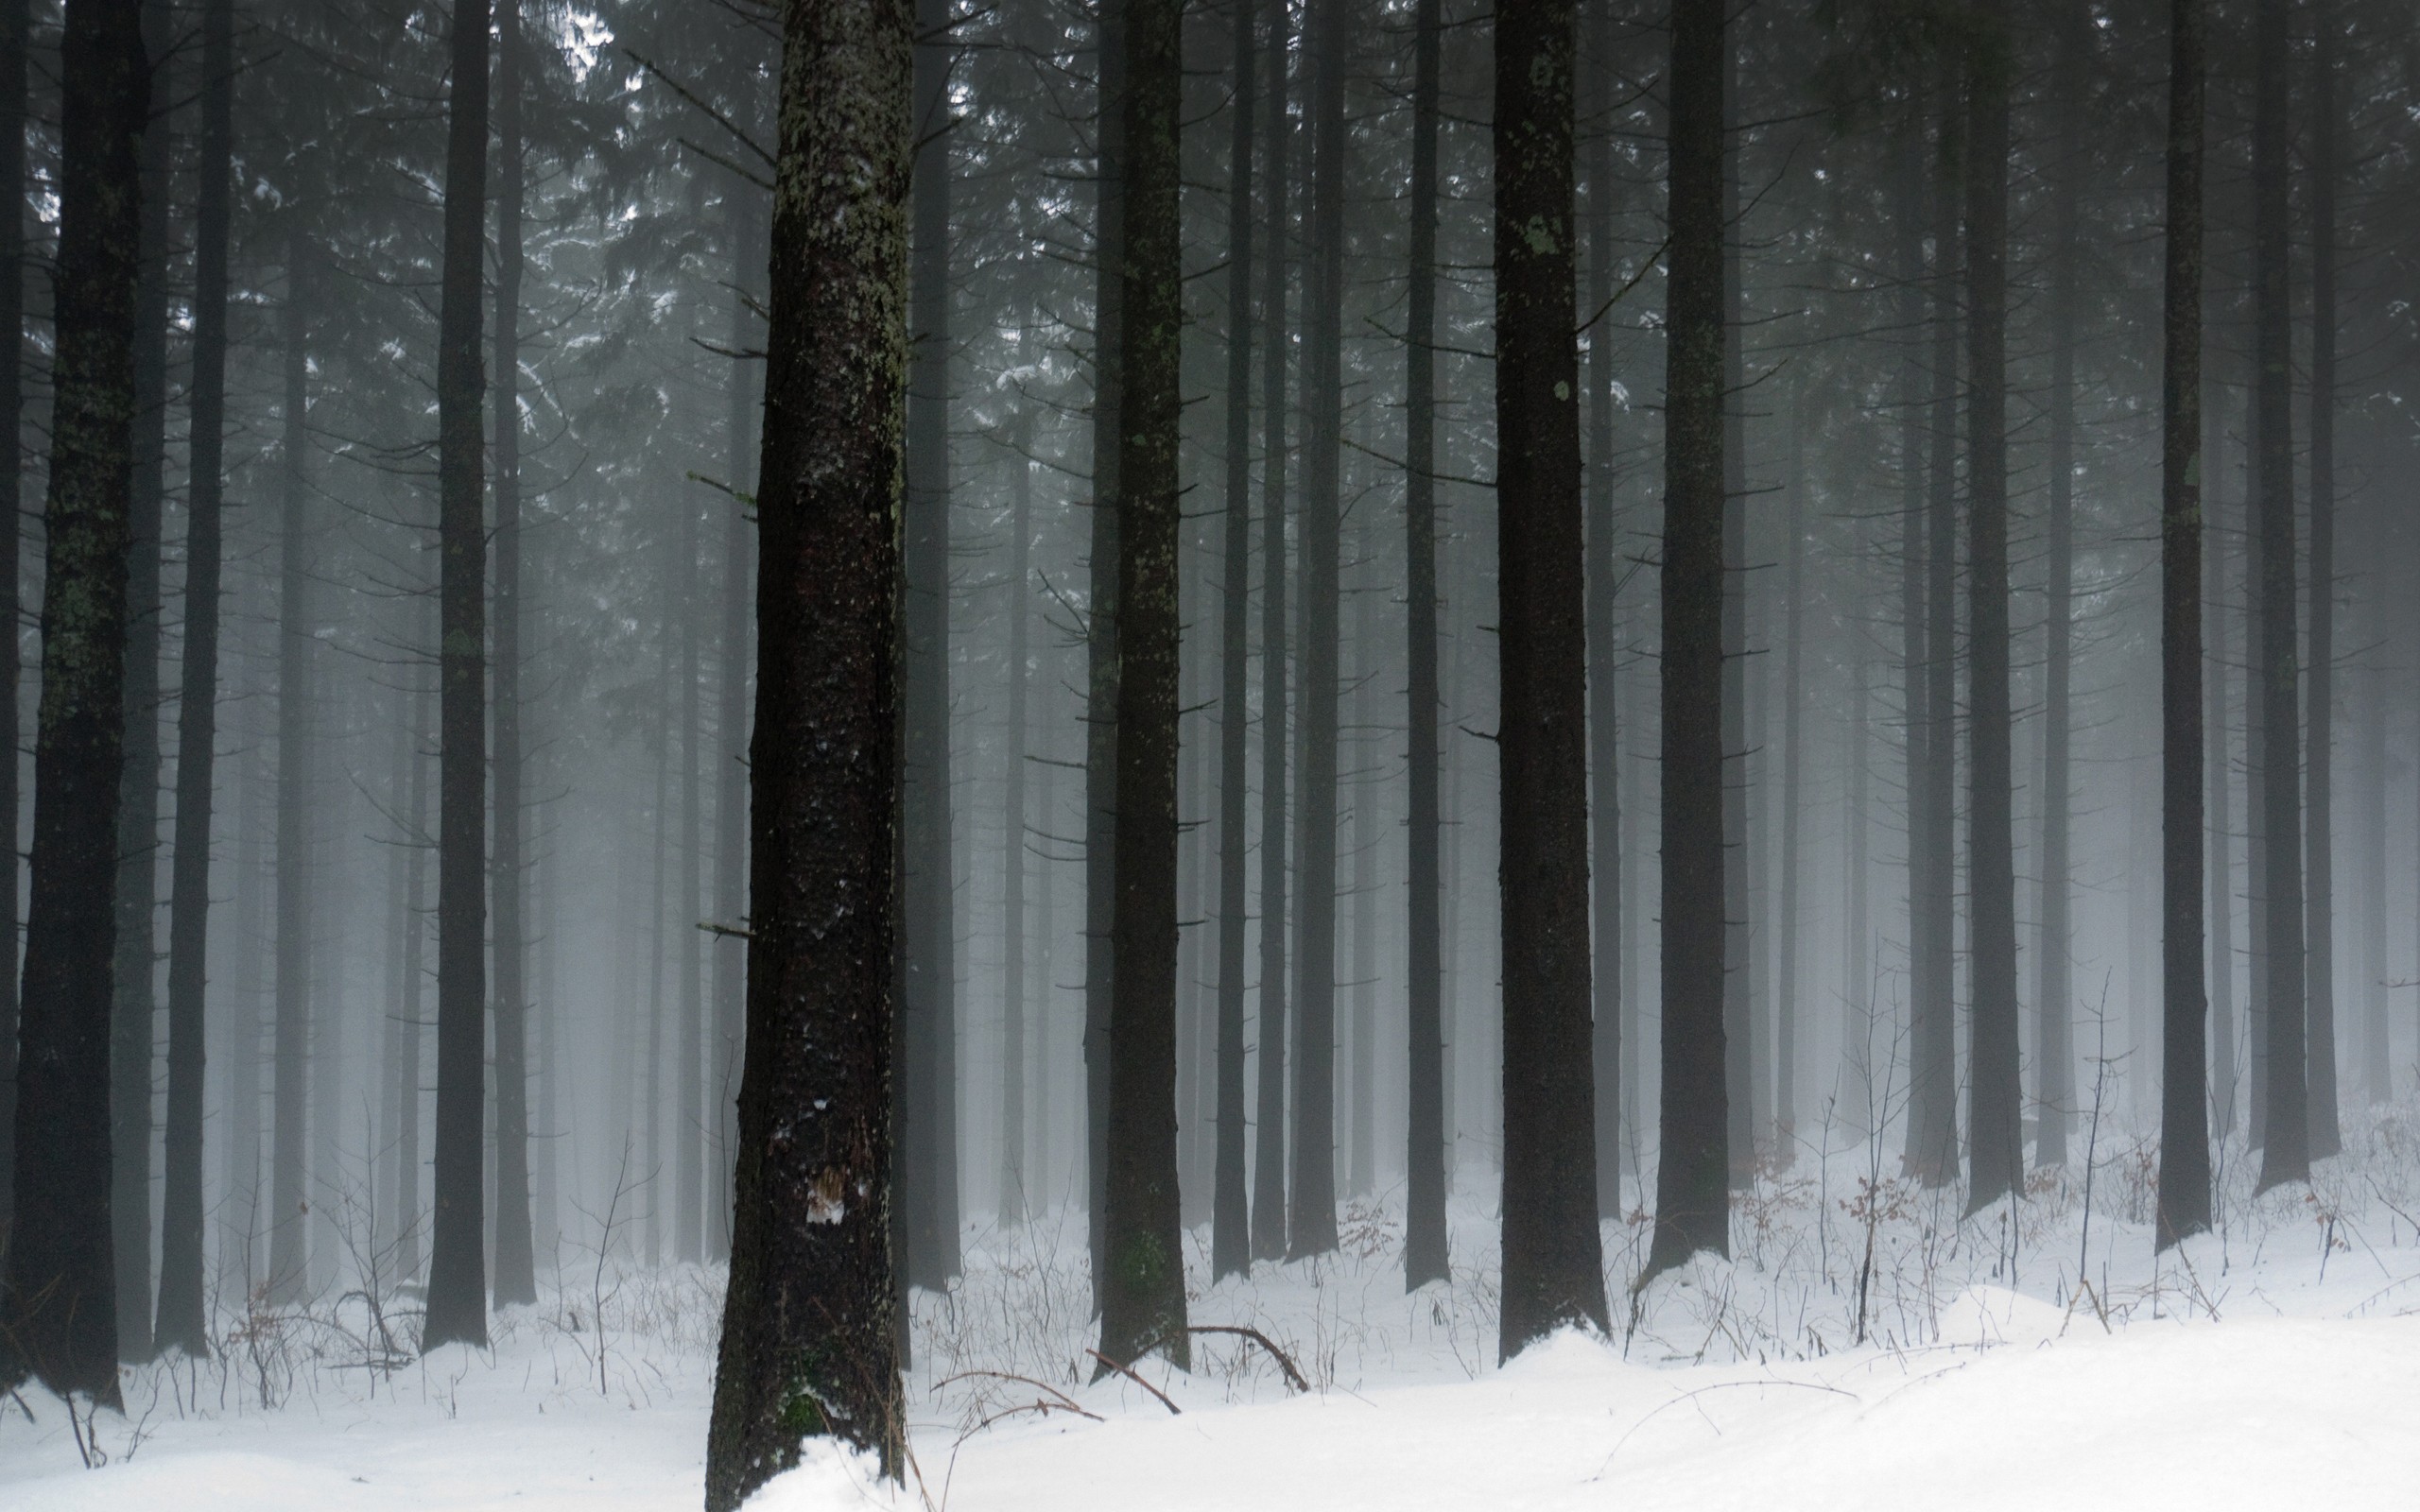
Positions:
{"x": 1294, "y": 1376}
{"x": 1129, "y": 1373}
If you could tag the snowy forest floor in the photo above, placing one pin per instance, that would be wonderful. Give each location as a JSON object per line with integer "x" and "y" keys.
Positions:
{"x": 2046, "y": 1362}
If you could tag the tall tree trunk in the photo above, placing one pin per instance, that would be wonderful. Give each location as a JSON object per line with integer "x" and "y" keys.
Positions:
{"x": 457, "y": 1280}
{"x": 1013, "y": 1188}
{"x": 2255, "y": 750}
{"x": 1604, "y": 743}
{"x": 516, "y": 1278}
{"x": 2219, "y": 783}
{"x": 1311, "y": 1228}
{"x": 2053, "y": 1040}
{"x": 1142, "y": 1294}
{"x": 1995, "y": 1094}
{"x": 810, "y": 1335}
{"x": 1692, "y": 1204}
{"x": 2319, "y": 718}
{"x": 1100, "y": 636}
{"x": 1230, "y": 1215}
{"x": 2376, "y": 1059}
{"x": 2185, "y": 1142}
{"x": 731, "y": 706}
{"x": 134, "y": 1006}
{"x": 289, "y": 1113}
{"x": 1915, "y": 682}
{"x": 16, "y": 53}
{"x": 182, "y": 1322}
{"x": 687, "y": 1189}
{"x": 1738, "y": 977}
{"x": 1269, "y": 1104}
{"x": 932, "y": 1005}
{"x": 1366, "y": 887}
{"x": 1785, "y": 1126}
{"x": 57, "y": 1321}
{"x": 1932, "y": 1073}
{"x": 1425, "y": 1149}
{"x": 1553, "y": 1265}
{"x": 2286, "y": 1148}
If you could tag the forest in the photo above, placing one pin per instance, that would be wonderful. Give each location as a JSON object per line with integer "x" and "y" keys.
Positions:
{"x": 1548, "y": 753}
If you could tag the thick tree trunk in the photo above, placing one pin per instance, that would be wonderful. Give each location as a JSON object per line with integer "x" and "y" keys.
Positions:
{"x": 1142, "y": 1293}
{"x": 1100, "y": 636}
{"x": 182, "y": 1322}
{"x": 57, "y": 1321}
{"x": 2319, "y": 718}
{"x": 1269, "y": 1104}
{"x": 289, "y": 1113}
{"x": 1230, "y": 1215}
{"x": 134, "y": 1005}
{"x": 1739, "y": 905}
{"x": 1605, "y": 744}
{"x": 2185, "y": 1143}
{"x": 809, "y": 1339}
{"x": 1425, "y": 1150}
{"x": 1692, "y": 1204}
{"x": 2218, "y": 784}
{"x": 1311, "y": 1227}
{"x": 1553, "y": 1264}
{"x": 1995, "y": 1093}
{"x": 16, "y": 52}
{"x": 2286, "y": 1132}
{"x": 516, "y": 1278}
{"x": 456, "y": 1280}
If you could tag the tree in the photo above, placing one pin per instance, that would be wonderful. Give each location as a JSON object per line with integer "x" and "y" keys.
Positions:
{"x": 1100, "y": 623}
{"x": 1553, "y": 1265}
{"x": 1231, "y": 1220}
{"x": 2285, "y": 1130}
{"x": 58, "y": 1319}
{"x": 2319, "y": 719}
{"x": 2185, "y": 1135}
{"x": 1604, "y": 743}
{"x": 290, "y": 1199}
{"x": 1142, "y": 1293}
{"x": 1269, "y": 1104}
{"x": 1692, "y": 1205}
{"x": 16, "y": 26}
{"x": 456, "y": 1270}
{"x": 1424, "y": 1245}
{"x": 182, "y": 1322}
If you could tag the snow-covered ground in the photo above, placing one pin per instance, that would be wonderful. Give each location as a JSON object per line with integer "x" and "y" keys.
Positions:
{"x": 2274, "y": 1363}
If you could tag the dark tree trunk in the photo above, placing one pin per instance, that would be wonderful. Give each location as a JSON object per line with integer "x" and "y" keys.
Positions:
{"x": 1142, "y": 1294}
{"x": 2219, "y": 783}
{"x": 1785, "y": 1124}
{"x": 1738, "y": 976}
{"x": 687, "y": 1189}
{"x": 134, "y": 1006}
{"x": 1311, "y": 1227}
{"x": 58, "y": 1319}
{"x": 1269, "y": 1104}
{"x": 2185, "y": 1136}
{"x": 182, "y": 1322}
{"x": 1692, "y": 1204}
{"x": 1100, "y": 638}
{"x": 289, "y": 1155}
{"x": 2286, "y": 1131}
{"x": 2319, "y": 718}
{"x": 2256, "y": 744}
{"x": 16, "y": 28}
{"x": 2054, "y": 1041}
{"x": 1553, "y": 1264}
{"x": 516, "y": 1279}
{"x": 1932, "y": 1072}
{"x": 810, "y": 1335}
{"x": 1425, "y": 1153}
{"x": 1915, "y": 723}
{"x": 731, "y": 709}
{"x": 1605, "y": 744}
{"x": 1015, "y": 1188}
{"x": 930, "y": 1187}
{"x": 1230, "y": 1215}
{"x": 1995, "y": 1094}
{"x": 457, "y": 1280}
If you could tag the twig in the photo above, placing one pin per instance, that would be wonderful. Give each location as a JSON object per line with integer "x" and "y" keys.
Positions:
{"x": 1129, "y": 1373}
{"x": 1294, "y": 1376}
{"x": 1070, "y": 1403}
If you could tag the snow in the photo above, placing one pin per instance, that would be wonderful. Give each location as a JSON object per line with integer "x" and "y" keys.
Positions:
{"x": 2275, "y": 1364}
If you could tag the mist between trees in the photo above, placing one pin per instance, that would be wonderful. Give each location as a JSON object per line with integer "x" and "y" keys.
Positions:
{"x": 1252, "y": 615}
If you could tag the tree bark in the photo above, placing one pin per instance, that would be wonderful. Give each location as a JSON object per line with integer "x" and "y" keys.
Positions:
{"x": 1424, "y": 1151}
{"x": 1015, "y": 1188}
{"x": 809, "y": 1337}
{"x": 16, "y": 28}
{"x": 1738, "y": 976}
{"x": 1100, "y": 636}
{"x": 2319, "y": 718}
{"x": 746, "y": 219}
{"x": 290, "y": 1111}
{"x": 58, "y": 1319}
{"x": 2185, "y": 1143}
{"x": 1785, "y": 1124}
{"x": 456, "y": 1280}
{"x": 1553, "y": 1264}
{"x": 1142, "y": 1294}
{"x": 1604, "y": 743}
{"x": 2286, "y": 1132}
{"x": 182, "y": 1322}
{"x": 1229, "y": 1214}
{"x": 1269, "y": 1104}
{"x": 1692, "y": 1204}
